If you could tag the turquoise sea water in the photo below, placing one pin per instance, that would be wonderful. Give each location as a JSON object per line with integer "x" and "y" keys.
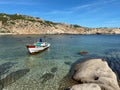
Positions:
{"x": 48, "y": 70}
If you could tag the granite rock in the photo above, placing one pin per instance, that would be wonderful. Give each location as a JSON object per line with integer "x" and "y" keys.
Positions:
{"x": 88, "y": 86}
{"x": 96, "y": 71}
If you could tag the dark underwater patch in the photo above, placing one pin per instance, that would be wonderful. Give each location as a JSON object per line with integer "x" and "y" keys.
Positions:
{"x": 68, "y": 63}
{"x": 54, "y": 69}
{"x": 66, "y": 82}
{"x": 46, "y": 77}
{"x": 112, "y": 56}
{"x": 14, "y": 76}
{"x": 4, "y": 68}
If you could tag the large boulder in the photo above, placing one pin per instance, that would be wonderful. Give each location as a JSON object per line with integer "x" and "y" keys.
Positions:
{"x": 88, "y": 86}
{"x": 96, "y": 71}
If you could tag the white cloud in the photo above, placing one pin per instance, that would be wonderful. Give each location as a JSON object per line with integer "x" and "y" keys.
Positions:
{"x": 69, "y": 10}
{"x": 60, "y": 12}
{"x": 84, "y": 9}
{"x": 90, "y": 7}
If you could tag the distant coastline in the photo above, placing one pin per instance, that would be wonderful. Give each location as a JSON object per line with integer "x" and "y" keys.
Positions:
{"x": 56, "y": 34}
{"x": 7, "y": 34}
{"x": 22, "y": 24}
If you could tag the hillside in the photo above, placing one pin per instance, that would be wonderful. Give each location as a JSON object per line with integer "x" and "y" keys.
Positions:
{"x": 22, "y": 24}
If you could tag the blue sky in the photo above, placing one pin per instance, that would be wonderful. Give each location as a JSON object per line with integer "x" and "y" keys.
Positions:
{"x": 89, "y": 13}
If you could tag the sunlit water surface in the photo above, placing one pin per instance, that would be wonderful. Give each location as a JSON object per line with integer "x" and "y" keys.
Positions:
{"x": 48, "y": 70}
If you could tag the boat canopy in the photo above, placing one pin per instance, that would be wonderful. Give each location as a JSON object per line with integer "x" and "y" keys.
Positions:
{"x": 38, "y": 44}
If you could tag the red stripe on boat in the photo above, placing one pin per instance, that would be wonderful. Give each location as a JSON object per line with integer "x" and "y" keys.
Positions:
{"x": 30, "y": 46}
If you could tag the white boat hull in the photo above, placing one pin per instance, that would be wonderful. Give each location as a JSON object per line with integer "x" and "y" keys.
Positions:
{"x": 35, "y": 49}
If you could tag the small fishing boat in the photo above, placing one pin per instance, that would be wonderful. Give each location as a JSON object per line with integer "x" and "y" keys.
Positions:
{"x": 37, "y": 47}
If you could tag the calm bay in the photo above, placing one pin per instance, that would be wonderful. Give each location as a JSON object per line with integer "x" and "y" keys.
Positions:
{"x": 49, "y": 70}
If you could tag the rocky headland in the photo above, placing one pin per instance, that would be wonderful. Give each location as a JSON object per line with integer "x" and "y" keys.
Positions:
{"x": 94, "y": 74}
{"x": 23, "y": 24}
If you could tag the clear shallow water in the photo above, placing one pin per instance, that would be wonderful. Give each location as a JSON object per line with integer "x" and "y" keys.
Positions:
{"x": 48, "y": 70}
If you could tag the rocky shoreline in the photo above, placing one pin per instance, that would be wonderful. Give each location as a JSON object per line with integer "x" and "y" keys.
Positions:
{"x": 7, "y": 34}
{"x": 94, "y": 74}
{"x": 22, "y": 24}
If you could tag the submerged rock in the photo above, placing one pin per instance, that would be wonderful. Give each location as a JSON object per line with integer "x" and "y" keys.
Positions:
{"x": 66, "y": 82}
{"x": 54, "y": 69}
{"x": 14, "y": 76}
{"x": 46, "y": 77}
{"x": 68, "y": 63}
{"x": 112, "y": 56}
{"x": 83, "y": 53}
{"x": 1, "y": 85}
{"x": 95, "y": 71}
{"x": 4, "y": 68}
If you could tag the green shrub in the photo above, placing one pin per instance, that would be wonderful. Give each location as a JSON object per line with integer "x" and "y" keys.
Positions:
{"x": 4, "y": 20}
{"x": 50, "y": 23}
{"x": 76, "y": 26}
